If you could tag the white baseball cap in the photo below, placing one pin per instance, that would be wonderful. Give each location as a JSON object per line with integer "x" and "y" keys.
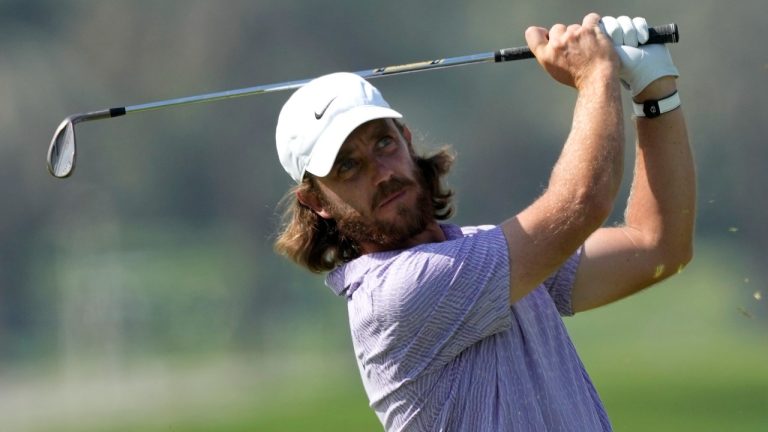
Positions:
{"x": 318, "y": 118}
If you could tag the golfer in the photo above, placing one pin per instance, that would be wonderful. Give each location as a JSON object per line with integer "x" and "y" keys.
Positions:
{"x": 460, "y": 329}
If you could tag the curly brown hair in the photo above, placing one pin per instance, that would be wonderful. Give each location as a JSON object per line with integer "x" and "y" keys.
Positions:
{"x": 316, "y": 244}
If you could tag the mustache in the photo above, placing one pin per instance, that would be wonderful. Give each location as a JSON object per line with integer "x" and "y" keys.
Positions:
{"x": 389, "y": 188}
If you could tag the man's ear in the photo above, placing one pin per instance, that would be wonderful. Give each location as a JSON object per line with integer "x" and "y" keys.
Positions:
{"x": 311, "y": 200}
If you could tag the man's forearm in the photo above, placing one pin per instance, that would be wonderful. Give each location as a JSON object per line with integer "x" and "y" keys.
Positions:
{"x": 662, "y": 204}
{"x": 580, "y": 194}
{"x": 591, "y": 163}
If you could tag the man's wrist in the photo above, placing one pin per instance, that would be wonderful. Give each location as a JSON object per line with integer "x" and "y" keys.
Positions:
{"x": 653, "y": 108}
{"x": 598, "y": 76}
{"x": 658, "y": 89}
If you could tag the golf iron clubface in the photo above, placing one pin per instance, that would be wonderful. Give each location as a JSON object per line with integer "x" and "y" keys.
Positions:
{"x": 62, "y": 151}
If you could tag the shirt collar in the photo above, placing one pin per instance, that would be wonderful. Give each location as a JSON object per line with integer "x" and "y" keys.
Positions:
{"x": 344, "y": 280}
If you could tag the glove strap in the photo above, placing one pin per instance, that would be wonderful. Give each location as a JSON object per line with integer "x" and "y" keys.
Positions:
{"x": 654, "y": 108}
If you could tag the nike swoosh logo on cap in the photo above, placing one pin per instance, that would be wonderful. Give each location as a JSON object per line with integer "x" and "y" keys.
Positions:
{"x": 321, "y": 113}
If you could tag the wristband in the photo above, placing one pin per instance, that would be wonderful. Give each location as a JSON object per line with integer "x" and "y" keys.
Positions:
{"x": 654, "y": 108}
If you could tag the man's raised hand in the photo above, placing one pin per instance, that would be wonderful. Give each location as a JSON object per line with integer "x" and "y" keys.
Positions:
{"x": 640, "y": 64}
{"x": 573, "y": 54}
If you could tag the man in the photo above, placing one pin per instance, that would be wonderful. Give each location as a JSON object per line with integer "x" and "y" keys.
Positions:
{"x": 459, "y": 329}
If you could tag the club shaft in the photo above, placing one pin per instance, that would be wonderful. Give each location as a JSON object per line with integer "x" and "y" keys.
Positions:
{"x": 291, "y": 85}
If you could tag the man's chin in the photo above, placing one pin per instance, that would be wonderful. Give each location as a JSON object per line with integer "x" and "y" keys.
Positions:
{"x": 394, "y": 232}
{"x": 396, "y": 225}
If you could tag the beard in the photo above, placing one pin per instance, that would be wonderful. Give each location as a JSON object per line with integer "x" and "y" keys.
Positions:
{"x": 412, "y": 220}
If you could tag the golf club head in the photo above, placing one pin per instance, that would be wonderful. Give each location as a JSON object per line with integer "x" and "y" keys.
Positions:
{"x": 61, "y": 153}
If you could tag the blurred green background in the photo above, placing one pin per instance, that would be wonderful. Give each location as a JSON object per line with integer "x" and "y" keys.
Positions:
{"x": 143, "y": 293}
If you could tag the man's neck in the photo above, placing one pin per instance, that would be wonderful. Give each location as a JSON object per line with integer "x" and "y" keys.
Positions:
{"x": 431, "y": 234}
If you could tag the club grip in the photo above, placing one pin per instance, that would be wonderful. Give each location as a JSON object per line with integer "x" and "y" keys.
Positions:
{"x": 662, "y": 34}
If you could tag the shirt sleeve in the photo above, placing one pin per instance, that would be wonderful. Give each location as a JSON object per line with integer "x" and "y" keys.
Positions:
{"x": 433, "y": 301}
{"x": 560, "y": 284}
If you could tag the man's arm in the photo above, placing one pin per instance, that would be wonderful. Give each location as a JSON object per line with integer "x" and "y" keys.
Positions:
{"x": 587, "y": 175}
{"x": 657, "y": 238}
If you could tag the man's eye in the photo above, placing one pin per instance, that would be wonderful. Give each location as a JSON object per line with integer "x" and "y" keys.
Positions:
{"x": 346, "y": 165}
{"x": 384, "y": 142}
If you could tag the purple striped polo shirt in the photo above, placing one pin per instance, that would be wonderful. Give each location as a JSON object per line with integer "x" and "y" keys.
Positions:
{"x": 439, "y": 348}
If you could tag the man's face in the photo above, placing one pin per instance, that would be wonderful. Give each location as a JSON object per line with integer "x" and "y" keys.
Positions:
{"x": 374, "y": 191}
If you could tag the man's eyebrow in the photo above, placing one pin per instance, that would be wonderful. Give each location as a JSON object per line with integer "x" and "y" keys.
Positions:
{"x": 377, "y": 128}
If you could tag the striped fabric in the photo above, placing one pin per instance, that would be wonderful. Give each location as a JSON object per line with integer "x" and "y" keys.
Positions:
{"x": 440, "y": 349}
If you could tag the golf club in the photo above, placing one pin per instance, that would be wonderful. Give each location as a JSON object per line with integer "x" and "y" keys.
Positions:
{"x": 62, "y": 150}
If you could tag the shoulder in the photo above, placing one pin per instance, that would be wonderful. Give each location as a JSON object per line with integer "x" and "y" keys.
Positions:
{"x": 466, "y": 250}
{"x": 474, "y": 243}
{"x": 469, "y": 231}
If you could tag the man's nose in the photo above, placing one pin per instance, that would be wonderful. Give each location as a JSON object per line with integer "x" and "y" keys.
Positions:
{"x": 382, "y": 170}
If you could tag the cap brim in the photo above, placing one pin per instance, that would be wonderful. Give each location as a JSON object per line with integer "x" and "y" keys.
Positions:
{"x": 327, "y": 147}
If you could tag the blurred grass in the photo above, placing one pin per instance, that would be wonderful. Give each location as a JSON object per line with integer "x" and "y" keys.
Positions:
{"x": 690, "y": 354}
{"x": 678, "y": 386}
{"x": 682, "y": 356}
{"x": 300, "y": 392}
{"x": 637, "y": 400}
{"x": 696, "y": 391}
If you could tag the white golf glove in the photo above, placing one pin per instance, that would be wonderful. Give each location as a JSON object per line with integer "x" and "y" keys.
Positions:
{"x": 640, "y": 64}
